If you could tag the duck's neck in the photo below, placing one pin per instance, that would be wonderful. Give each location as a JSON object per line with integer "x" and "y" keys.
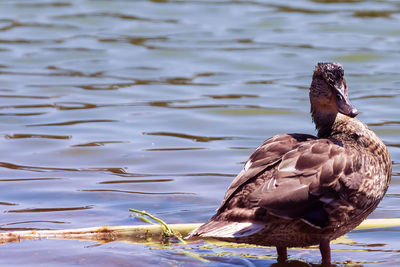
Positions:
{"x": 330, "y": 122}
{"x": 324, "y": 121}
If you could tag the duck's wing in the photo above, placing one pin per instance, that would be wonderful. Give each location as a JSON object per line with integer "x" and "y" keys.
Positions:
{"x": 308, "y": 183}
{"x": 268, "y": 154}
{"x": 298, "y": 177}
{"x": 309, "y": 175}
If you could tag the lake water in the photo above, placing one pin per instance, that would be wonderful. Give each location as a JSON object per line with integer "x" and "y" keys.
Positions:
{"x": 155, "y": 105}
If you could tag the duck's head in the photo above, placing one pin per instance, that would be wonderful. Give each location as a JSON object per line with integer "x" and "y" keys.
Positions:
{"x": 329, "y": 94}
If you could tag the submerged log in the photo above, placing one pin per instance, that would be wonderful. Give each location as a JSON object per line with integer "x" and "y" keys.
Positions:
{"x": 103, "y": 234}
{"x": 152, "y": 234}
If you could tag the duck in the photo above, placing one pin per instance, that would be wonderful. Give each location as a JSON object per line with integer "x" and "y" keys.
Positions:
{"x": 299, "y": 190}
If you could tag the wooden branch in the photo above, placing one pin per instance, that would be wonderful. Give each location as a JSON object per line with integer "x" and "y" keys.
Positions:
{"x": 131, "y": 233}
{"x": 137, "y": 233}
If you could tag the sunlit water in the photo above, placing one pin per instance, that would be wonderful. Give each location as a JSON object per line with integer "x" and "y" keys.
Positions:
{"x": 155, "y": 105}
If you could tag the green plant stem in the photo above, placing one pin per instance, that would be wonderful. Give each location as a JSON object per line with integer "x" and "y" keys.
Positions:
{"x": 167, "y": 230}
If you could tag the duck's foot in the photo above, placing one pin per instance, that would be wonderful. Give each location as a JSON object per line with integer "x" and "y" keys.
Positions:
{"x": 325, "y": 252}
{"x": 282, "y": 254}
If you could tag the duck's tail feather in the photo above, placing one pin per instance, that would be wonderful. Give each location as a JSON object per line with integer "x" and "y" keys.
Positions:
{"x": 225, "y": 229}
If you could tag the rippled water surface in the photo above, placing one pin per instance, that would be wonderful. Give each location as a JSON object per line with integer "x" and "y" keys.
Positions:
{"x": 155, "y": 105}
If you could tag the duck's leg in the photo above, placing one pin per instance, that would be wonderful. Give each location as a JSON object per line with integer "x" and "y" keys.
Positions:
{"x": 282, "y": 253}
{"x": 325, "y": 252}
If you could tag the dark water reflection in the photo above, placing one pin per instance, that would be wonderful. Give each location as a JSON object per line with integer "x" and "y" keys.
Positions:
{"x": 155, "y": 105}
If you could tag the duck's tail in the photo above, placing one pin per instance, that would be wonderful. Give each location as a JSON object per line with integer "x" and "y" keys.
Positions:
{"x": 226, "y": 229}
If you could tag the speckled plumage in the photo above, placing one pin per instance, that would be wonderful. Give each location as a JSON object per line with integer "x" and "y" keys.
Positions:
{"x": 298, "y": 190}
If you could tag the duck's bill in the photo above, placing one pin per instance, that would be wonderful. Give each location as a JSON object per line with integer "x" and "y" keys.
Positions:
{"x": 343, "y": 103}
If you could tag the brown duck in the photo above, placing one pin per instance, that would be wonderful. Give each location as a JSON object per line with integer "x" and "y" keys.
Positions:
{"x": 298, "y": 190}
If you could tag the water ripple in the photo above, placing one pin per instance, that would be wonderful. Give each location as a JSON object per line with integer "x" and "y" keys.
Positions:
{"x": 384, "y": 123}
{"x": 116, "y": 171}
{"x": 136, "y": 192}
{"x": 290, "y": 9}
{"x": 175, "y": 149}
{"x": 135, "y": 181}
{"x": 28, "y": 179}
{"x": 232, "y": 96}
{"x": 113, "y": 15}
{"x": 44, "y": 4}
{"x": 16, "y": 24}
{"x": 98, "y": 143}
{"x": 196, "y": 138}
{"x": 49, "y": 209}
{"x": 66, "y": 123}
{"x": 374, "y": 13}
{"x": 23, "y": 114}
{"x": 8, "y": 204}
{"x": 46, "y": 136}
{"x": 28, "y": 96}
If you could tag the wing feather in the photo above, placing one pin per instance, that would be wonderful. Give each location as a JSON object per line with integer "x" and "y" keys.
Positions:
{"x": 269, "y": 153}
{"x": 289, "y": 176}
{"x": 307, "y": 174}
